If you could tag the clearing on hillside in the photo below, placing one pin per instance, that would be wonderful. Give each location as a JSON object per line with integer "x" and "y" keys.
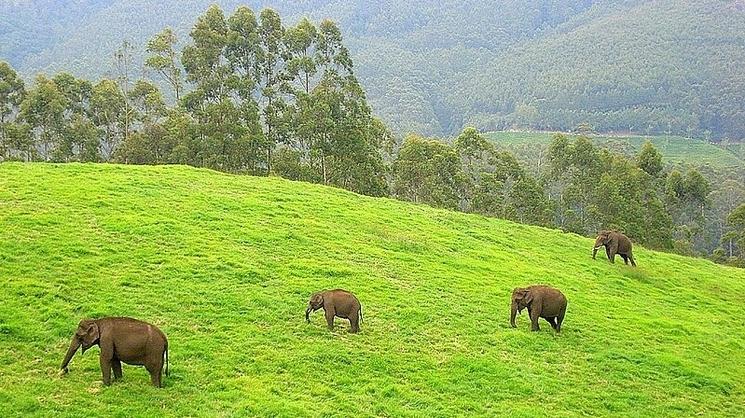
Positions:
{"x": 674, "y": 149}
{"x": 224, "y": 265}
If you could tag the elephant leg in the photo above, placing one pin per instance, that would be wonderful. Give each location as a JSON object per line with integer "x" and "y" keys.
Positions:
{"x": 560, "y": 319}
{"x": 625, "y": 259}
{"x": 552, "y": 321}
{"x": 612, "y": 258}
{"x": 116, "y": 365}
{"x": 155, "y": 373}
{"x": 631, "y": 257}
{"x": 105, "y": 357}
{"x": 534, "y": 315}
{"x": 330, "y": 318}
{"x": 354, "y": 321}
{"x": 105, "y": 369}
{"x": 607, "y": 253}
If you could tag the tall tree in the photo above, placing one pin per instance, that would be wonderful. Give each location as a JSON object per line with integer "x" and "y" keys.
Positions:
{"x": 164, "y": 59}
{"x": 210, "y": 101}
{"x": 428, "y": 171}
{"x": 649, "y": 159}
{"x": 301, "y": 42}
{"x": 271, "y": 57}
{"x": 12, "y": 91}
{"x": 123, "y": 63}
{"x": 108, "y": 111}
{"x": 43, "y": 109}
{"x": 736, "y": 221}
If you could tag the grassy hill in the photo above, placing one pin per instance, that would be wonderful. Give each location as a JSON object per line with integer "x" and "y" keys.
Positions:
{"x": 674, "y": 149}
{"x": 224, "y": 266}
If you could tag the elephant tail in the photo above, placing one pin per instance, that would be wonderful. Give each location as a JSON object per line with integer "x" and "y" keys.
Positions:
{"x": 361, "y": 313}
{"x": 168, "y": 373}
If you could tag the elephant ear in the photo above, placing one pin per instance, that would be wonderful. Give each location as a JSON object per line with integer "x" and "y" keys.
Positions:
{"x": 91, "y": 334}
{"x": 317, "y": 299}
{"x": 528, "y": 297}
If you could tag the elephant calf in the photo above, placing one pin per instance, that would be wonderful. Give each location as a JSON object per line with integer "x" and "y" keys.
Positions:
{"x": 122, "y": 340}
{"x": 614, "y": 243}
{"x": 542, "y": 302}
{"x": 339, "y": 303}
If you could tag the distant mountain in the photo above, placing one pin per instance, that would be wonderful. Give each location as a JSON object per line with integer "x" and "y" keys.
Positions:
{"x": 664, "y": 66}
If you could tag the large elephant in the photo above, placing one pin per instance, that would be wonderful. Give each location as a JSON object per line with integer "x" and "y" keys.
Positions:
{"x": 615, "y": 243}
{"x": 542, "y": 302}
{"x": 122, "y": 340}
{"x": 339, "y": 303}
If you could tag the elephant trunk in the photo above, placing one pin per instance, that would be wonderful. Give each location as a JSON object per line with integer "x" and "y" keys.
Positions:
{"x": 513, "y": 314}
{"x": 74, "y": 344}
{"x": 307, "y": 313}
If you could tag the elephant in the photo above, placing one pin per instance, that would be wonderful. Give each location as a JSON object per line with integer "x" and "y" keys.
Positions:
{"x": 615, "y": 243}
{"x": 337, "y": 302}
{"x": 542, "y": 302}
{"x": 121, "y": 340}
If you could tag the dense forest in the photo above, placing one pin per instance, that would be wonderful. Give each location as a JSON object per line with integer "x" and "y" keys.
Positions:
{"x": 666, "y": 66}
{"x": 255, "y": 95}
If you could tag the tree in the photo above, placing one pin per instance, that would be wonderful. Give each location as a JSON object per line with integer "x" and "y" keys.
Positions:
{"x": 502, "y": 188}
{"x": 649, "y": 159}
{"x": 736, "y": 221}
{"x": 43, "y": 109}
{"x": 300, "y": 42}
{"x": 331, "y": 54}
{"x": 164, "y": 59}
{"x": 270, "y": 63}
{"x": 225, "y": 126}
{"x": 123, "y": 66}
{"x": 724, "y": 200}
{"x": 81, "y": 141}
{"x": 428, "y": 171}
{"x": 148, "y": 144}
{"x": 12, "y": 91}
{"x": 108, "y": 111}
{"x": 472, "y": 147}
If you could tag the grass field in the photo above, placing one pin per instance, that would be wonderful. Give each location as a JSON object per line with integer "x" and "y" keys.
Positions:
{"x": 674, "y": 149}
{"x": 224, "y": 265}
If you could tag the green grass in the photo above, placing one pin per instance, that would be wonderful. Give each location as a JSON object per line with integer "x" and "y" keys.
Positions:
{"x": 674, "y": 149}
{"x": 224, "y": 265}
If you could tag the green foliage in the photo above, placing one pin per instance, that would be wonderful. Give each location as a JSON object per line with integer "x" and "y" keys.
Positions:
{"x": 670, "y": 66}
{"x": 428, "y": 171}
{"x": 224, "y": 265}
{"x": 164, "y": 59}
{"x": 736, "y": 221}
{"x": 649, "y": 159}
{"x": 594, "y": 189}
{"x": 43, "y": 110}
{"x": 252, "y": 85}
{"x": 12, "y": 91}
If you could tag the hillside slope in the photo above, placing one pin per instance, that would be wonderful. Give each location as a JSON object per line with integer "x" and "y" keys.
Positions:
{"x": 224, "y": 265}
{"x": 639, "y": 65}
{"x": 674, "y": 149}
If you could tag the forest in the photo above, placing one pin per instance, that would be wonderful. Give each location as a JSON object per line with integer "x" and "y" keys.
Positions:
{"x": 254, "y": 95}
{"x": 646, "y": 67}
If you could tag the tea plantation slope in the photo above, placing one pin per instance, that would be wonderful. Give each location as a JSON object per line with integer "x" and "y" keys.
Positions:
{"x": 224, "y": 266}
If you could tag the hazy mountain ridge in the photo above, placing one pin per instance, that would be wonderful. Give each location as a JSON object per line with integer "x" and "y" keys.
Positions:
{"x": 645, "y": 66}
